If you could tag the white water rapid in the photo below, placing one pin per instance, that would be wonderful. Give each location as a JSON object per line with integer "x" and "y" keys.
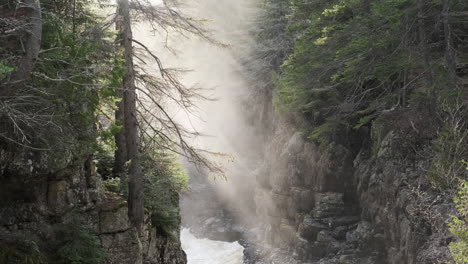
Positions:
{"x": 205, "y": 251}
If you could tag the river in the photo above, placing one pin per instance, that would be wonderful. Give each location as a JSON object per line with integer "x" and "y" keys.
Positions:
{"x": 205, "y": 251}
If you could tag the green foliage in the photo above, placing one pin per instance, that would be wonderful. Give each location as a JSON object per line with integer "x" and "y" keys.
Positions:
{"x": 365, "y": 117}
{"x": 5, "y": 70}
{"x": 273, "y": 45}
{"x": 78, "y": 244}
{"x": 164, "y": 180}
{"x": 446, "y": 170}
{"x": 108, "y": 100}
{"x": 459, "y": 226}
{"x": 113, "y": 185}
{"x": 107, "y": 136}
{"x": 79, "y": 53}
{"x": 350, "y": 56}
{"x": 104, "y": 159}
{"x": 324, "y": 133}
{"x": 22, "y": 252}
{"x": 72, "y": 78}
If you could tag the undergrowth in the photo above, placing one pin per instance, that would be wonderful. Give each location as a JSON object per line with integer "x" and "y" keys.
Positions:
{"x": 78, "y": 244}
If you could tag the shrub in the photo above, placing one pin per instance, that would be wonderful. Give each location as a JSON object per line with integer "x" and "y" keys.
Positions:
{"x": 450, "y": 144}
{"x": 164, "y": 180}
{"x": 459, "y": 226}
{"x": 113, "y": 185}
{"x": 5, "y": 70}
{"x": 78, "y": 244}
{"x": 324, "y": 133}
{"x": 23, "y": 252}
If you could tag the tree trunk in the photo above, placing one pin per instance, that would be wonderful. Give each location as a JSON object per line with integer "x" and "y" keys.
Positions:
{"x": 120, "y": 154}
{"x": 135, "y": 174}
{"x": 32, "y": 47}
{"x": 450, "y": 60}
{"x": 423, "y": 47}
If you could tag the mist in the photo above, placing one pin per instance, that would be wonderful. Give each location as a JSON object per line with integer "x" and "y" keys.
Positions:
{"x": 222, "y": 122}
{"x": 219, "y": 69}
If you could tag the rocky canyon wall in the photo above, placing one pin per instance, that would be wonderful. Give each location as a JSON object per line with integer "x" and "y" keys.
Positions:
{"x": 363, "y": 198}
{"x": 36, "y": 207}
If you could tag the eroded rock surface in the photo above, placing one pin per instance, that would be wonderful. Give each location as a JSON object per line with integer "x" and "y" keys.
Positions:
{"x": 363, "y": 198}
{"x": 48, "y": 200}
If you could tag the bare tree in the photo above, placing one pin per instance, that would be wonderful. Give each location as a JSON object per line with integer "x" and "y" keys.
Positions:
{"x": 142, "y": 93}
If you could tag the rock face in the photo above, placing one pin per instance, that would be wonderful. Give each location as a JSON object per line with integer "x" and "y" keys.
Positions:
{"x": 33, "y": 205}
{"x": 363, "y": 198}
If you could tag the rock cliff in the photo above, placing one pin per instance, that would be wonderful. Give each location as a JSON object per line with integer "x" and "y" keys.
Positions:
{"x": 34, "y": 205}
{"x": 363, "y": 198}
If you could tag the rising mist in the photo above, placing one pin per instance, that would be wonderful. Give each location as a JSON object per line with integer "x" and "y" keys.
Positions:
{"x": 218, "y": 69}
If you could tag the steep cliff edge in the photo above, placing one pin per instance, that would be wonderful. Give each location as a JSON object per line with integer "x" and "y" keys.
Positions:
{"x": 363, "y": 199}
{"x": 364, "y": 128}
{"x": 37, "y": 211}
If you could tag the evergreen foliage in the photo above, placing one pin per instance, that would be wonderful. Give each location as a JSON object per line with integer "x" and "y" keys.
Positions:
{"x": 352, "y": 60}
{"x": 446, "y": 170}
{"x": 459, "y": 227}
{"x": 22, "y": 252}
{"x": 164, "y": 181}
{"x": 5, "y": 70}
{"x": 273, "y": 44}
{"x": 64, "y": 111}
{"x": 77, "y": 244}
{"x": 54, "y": 113}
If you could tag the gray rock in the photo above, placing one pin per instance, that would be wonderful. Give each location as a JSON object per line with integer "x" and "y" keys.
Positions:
{"x": 59, "y": 197}
{"x": 363, "y": 232}
{"x": 310, "y": 228}
{"x": 114, "y": 221}
{"x": 123, "y": 248}
{"x": 328, "y": 204}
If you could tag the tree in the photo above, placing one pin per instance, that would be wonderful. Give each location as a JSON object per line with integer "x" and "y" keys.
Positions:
{"x": 141, "y": 113}
{"x": 353, "y": 60}
{"x": 33, "y": 28}
{"x": 50, "y": 110}
{"x": 450, "y": 59}
{"x": 132, "y": 141}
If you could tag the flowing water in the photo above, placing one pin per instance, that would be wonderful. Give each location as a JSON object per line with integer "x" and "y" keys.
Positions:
{"x": 220, "y": 212}
{"x": 205, "y": 251}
